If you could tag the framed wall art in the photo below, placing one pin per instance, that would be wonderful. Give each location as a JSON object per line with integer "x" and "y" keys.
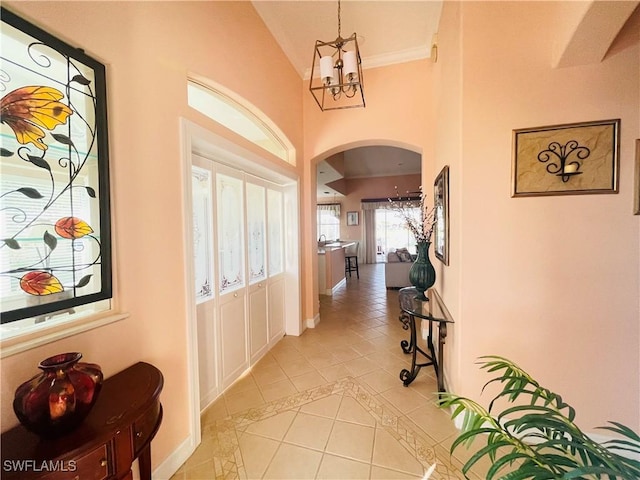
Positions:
{"x": 441, "y": 216}
{"x": 55, "y": 246}
{"x": 352, "y": 219}
{"x": 636, "y": 194}
{"x": 575, "y": 158}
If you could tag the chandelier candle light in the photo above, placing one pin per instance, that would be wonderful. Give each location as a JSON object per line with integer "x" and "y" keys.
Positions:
{"x": 340, "y": 83}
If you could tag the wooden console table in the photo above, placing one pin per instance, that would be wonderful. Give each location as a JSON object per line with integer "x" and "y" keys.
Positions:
{"x": 119, "y": 429}
{"x": 434, "y": 311}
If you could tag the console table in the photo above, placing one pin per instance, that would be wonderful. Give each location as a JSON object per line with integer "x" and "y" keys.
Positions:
{"x": 435, "y": 312}
{"x": 118, "y": 430}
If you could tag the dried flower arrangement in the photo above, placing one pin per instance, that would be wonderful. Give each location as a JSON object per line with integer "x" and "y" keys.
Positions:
{"x": 420, "y": 226}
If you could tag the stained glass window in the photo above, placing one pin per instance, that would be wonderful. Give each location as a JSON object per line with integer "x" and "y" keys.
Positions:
{"x": 55, "y": 245}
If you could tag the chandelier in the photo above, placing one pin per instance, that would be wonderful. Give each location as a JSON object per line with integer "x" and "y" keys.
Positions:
{"x": 340, "y": 82}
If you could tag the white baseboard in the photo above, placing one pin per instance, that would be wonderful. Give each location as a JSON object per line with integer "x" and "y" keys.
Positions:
{"x": 330, "y": 291}
{"x": 174, "y": 461}
{"x": 313, "y": 322}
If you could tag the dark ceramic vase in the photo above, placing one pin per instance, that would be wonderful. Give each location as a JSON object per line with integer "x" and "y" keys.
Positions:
{"x": 56, "y": 401}
{"x": 422, "y": 275}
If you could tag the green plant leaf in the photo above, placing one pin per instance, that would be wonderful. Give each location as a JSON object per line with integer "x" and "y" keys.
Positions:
{"x": 622, "y": 430}
{"x": 468, "y": 435}
{"x": 597, "y": 471}
{"x": 538, "y": 432}
{"x": 487, "y": 450}
{"x": 501, "y": 463}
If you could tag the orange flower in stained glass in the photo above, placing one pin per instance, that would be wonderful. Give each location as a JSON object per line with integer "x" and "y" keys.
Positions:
{"x": 72, "y": 227}
{"x": 28, "y": 110}
{"x": 40, "y": 283}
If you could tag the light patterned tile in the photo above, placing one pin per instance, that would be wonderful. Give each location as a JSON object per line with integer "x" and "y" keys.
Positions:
{"x": 322, "y": 378}
{"x": 351, "y": 411}
{"x": 308, "y": 380}
{"x": 280, "y": 389}
{"x": 389, "y": 453}
{"x": 333, "y": 467}
{"x": 293, "y": 462}
{"x": 257, "y": 453}
{"x": 351, "y": 441}
{"x": 309, "y": 431}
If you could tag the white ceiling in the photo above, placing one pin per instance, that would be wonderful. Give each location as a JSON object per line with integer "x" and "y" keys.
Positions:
{"x": 388, "y": 31}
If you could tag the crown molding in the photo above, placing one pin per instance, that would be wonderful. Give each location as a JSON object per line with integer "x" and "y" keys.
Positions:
{"x": 382, "y": 60}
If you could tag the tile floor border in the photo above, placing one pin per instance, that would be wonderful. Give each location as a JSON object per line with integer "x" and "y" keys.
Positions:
{"x": 226, "y": 447}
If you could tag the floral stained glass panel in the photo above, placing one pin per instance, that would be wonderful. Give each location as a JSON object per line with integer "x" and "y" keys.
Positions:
{"x": 54, "y": 189}
{"x": 230, "y": 232}
{"x": 202, "y": 233}
{"x": 256, "y": 225}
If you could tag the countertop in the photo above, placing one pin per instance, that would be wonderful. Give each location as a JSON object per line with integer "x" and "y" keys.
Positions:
{"x": 331, "y": 246}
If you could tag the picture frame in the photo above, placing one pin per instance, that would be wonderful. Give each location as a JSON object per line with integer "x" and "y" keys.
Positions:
{"x": 441, "y": 215}
{"x": 636, "y": 195}
{"x": 55, "y": 175}
{"x": 568, "y": 159}
{"x": 352, "y": 219}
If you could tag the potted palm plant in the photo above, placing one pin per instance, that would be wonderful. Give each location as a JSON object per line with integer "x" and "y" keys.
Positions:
{"x": 535, "y": 436}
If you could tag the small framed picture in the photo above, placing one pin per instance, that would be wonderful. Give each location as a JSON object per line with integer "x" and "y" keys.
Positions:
{"x": 352, "y": 219}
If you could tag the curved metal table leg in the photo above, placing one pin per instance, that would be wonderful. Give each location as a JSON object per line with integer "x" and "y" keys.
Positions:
{"x": 407, "y": 376}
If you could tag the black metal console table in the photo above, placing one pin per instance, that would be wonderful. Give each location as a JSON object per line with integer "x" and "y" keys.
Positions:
{"x": 434, "y": 311}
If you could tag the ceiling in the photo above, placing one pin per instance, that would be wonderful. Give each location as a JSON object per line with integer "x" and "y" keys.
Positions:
{"x": 388, "y": 32}
{"x": 363, "y": 162}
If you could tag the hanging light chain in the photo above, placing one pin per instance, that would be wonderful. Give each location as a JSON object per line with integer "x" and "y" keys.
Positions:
{"x": 339, "y": 24}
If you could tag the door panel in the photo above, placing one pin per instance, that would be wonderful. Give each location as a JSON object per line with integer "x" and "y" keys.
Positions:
{"x": 259, "y": 335}
{"x": 276, "y": 309}
{"x": 203, "y": 248}
{"x": 233, "y": 337}
{"x": 230, "y": 223}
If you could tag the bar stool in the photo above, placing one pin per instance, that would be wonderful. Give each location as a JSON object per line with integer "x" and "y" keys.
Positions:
{"x": 351, "y": 259}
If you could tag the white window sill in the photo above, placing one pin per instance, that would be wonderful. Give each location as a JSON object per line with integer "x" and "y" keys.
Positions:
{"x": 22, "y": 343}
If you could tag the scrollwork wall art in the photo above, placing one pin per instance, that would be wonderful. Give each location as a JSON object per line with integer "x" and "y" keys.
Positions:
{"x": 55, "y": 242}
{"x": 568, "y": 159}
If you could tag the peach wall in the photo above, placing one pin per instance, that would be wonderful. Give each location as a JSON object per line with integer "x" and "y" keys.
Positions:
{"x": 398, "y": 113}
{"x": 447, "y": 89}
{"x": 149, "y": 48}
{"x": 550, "y": 282}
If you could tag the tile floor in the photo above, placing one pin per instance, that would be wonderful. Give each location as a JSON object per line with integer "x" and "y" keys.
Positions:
{"x": 330, "y": 405}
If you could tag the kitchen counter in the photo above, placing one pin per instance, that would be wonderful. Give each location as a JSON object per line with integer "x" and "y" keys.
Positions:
{"x": 331, "y": 246}
{"x": 331, "y": 266}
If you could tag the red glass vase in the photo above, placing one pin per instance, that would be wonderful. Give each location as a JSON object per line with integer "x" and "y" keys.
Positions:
{"x": 56, "y": 401}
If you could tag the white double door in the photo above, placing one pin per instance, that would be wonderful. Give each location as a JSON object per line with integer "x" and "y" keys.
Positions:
{"x": 239, "y": 271}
